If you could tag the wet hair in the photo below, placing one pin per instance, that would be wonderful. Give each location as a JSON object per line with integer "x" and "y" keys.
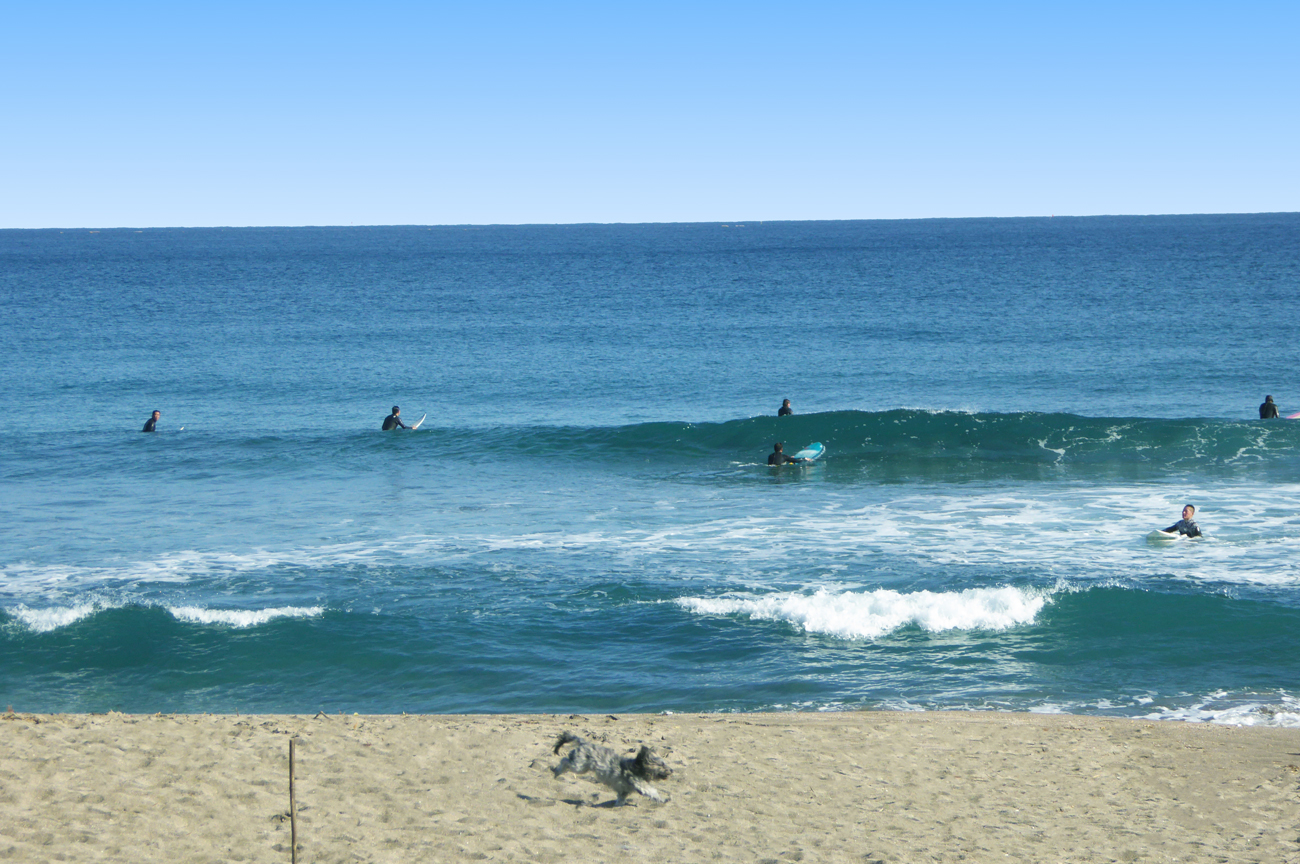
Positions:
{"x": 396, "y": 409}
{"x": 777, "y": 446}
{"x": 1193, "y": 506}
{"x": 1268, "y": 398}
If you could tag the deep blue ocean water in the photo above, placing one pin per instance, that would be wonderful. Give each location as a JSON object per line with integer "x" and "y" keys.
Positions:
{"x": 585, "y": 521}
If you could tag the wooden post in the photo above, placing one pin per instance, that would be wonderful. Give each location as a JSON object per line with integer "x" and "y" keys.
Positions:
{"x": 293, "y": 810}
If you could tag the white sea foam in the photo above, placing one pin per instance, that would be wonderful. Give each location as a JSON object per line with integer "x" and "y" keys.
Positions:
{"x": 1093, "y": 533}
{"x": 241, "y": 618}
{"x": 1282, "y": 710}
{"x": 870, "y": 614}
{"x": 45, "y": 620}
{"x": 1097, "y": 532}
{"x": 55, "y": 580}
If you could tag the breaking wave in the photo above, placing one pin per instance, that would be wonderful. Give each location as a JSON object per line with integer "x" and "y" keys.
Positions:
{"x": 871, "y": 614}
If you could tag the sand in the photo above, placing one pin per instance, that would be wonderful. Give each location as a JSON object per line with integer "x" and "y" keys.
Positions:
{"x": 852, "y": 786}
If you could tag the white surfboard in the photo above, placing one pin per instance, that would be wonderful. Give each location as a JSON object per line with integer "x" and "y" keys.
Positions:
{"x": 1160, "y": 538}
{"x": 812, "y": 452}
{"x": 418, "y": 422}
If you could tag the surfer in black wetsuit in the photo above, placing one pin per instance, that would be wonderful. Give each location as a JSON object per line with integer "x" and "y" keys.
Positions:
{"x": 1268, "y": 411}
{"x": 1185, "y": 525}
{"x": 392, "y": 421}
{"x": 785, "y": 409}
{"x": 776, "y": 457}
{"x": 151, "y": 425}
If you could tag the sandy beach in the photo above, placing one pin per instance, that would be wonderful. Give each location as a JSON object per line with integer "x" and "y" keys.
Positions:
{"x": 860, "y": 786}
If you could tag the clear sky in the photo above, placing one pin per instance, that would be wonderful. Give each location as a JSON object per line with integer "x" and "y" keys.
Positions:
{"x": 191, "y": 114}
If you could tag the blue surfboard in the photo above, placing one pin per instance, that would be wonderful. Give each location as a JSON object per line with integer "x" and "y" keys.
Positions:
{"x": 812, "y": 452}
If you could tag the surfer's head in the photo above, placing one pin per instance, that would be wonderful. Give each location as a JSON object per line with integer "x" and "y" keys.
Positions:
{"x": 397, "y": 410}
{"x": 1268, "y": 398}
{"x": 776, "y": 448}
{"x": 1189, "y": 511}
{"x": 157, "y": 414}
{"x": 785, "y": 403}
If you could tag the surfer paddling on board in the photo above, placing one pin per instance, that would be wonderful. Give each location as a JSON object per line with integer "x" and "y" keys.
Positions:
{"x": 776, "y": 457}
{"x": 1268, "y": 411}
{"x": 786, "y": 410}
{"x": 151, "y": 425}
{"x": 392, "y": 421}
{"x": 1185, "y": 525}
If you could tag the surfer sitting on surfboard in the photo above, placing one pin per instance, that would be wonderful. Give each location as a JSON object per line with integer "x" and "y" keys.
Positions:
{"x": 1185, "y": 525}
{"x": 392, "y": 421}
{"x": 151, "y": 425}
{"x": 776, "y": 457}
{"x": 1268, "y": 411}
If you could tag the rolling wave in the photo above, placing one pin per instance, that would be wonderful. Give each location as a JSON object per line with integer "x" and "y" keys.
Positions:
{"x": 870, "y": 614}
{"x": 1092, "y": 615}
{"x": 49, "y": 619}
{"x": 933, "y": 444}
{"x": 897, "y": 445}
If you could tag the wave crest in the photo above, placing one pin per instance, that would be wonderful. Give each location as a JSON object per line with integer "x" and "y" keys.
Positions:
{"x": 914, "y": 443}
{"x": 241, "y": 618}
{"x": 48, "y": 619}
{"x": 871, "y": 614}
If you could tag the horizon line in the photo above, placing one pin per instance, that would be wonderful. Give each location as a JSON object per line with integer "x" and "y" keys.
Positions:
{"x": 739, "y": 223}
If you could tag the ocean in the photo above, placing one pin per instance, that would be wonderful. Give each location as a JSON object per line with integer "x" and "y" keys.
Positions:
{"x": 585, "y": 522}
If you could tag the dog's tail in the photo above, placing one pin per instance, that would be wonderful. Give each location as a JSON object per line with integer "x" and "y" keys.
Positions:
{"x": 565, "y": 738}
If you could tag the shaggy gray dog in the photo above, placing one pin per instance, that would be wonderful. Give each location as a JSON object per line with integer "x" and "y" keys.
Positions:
{"x": 623, "y": 775}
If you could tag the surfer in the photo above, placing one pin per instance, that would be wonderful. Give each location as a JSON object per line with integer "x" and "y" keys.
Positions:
{"x": 776, "y": 457}
{"x": 1268, "y": 411}
{"x": 151, "y": 425}
{"x": 392, "y": 421}
{"x": 1185, "y": 525}
{"x": 785, "y": 409}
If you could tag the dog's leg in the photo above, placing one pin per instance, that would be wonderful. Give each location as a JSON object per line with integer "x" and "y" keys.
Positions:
{"x": 648, "y": 791}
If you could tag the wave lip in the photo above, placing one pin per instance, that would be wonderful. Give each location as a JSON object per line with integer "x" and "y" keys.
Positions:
{"x": 871, "y": 614}
{"x": 53, "y": 618}
{"x": 241, "y": 618}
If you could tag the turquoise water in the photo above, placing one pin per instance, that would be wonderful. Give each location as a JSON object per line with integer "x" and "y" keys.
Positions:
{"x": 586, "y": 521}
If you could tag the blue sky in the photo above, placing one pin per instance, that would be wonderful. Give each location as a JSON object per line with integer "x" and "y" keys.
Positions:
{"x": 135, "y": 114}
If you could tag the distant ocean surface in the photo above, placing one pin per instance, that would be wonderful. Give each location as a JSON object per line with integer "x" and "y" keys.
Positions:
{"x": 586, "y": 523}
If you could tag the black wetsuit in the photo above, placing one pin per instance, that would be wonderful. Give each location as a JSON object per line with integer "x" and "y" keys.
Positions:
{"x": 780, "y": 459}
{"x": 1184, "y": 526}
{"x": 392, "y": 422}
{"x": 1268, "y": 411}
{"x": 785, "y": 409}
{"x": 149, "y": 425}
